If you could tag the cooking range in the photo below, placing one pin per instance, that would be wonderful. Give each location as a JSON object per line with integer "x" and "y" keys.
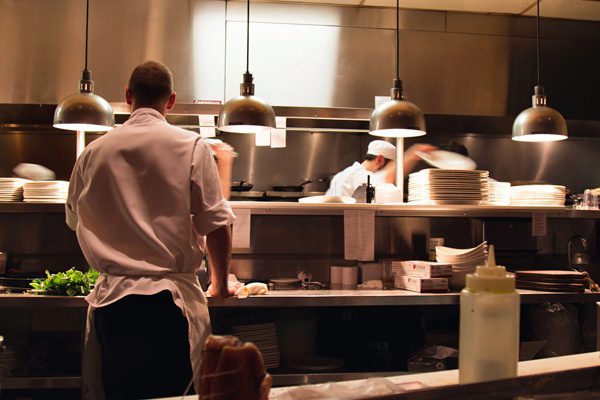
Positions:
{"x": 242, "y": 191}
{"x": 294, "y": 284}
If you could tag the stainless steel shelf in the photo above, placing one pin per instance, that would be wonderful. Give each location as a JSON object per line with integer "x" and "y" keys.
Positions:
{"x": 314, "y": 298}
{"x": 391, "y": 298}
{"x": 409, "y": 210}
{"x": 37, "y": 301}
{"x": 43, "y": 382}
{"x": 381, "y": 210}
{"x": 22, "y": 207}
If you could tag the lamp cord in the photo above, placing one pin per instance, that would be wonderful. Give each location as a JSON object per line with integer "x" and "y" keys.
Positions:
{"x": 538, "y": 41}
{"x": 247, "y": 38}
{"x": 87, "y": 17}
{"x": 397, "y": 39}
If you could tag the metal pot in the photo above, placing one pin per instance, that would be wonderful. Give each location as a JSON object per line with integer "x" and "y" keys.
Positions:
{"x": 291, "y": 188}
{"x": 241, "y": 186}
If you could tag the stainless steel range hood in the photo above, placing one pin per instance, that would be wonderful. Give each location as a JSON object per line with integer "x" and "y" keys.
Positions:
{"x": 19, "y": 118}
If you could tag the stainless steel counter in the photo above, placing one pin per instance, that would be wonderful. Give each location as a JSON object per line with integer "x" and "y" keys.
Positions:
{"x": 381, "y": 210}
{"x": 316, "y": 298}
{"x": 410, "y": 210}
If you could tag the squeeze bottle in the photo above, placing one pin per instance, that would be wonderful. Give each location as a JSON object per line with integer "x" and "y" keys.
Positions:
{"x": 489, "y": 324}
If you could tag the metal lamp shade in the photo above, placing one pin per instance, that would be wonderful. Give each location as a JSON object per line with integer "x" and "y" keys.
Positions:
{"x": 85, "y": 112}
{"x": 246, "y": 114}
{"x": 397, "y": 118}
{"x": 539, "y": 124}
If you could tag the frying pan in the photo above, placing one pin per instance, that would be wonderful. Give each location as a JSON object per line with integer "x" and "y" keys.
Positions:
{"x": 19, "y": 280}
{"x": 292, "y": 188}
{"x": 241, "y": 186}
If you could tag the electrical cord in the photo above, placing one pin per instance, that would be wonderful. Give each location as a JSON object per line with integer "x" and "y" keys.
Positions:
{"x": 188, "y": 387}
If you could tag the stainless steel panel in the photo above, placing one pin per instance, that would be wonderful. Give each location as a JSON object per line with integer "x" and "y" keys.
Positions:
{"x": 505, "y": 25}
{"x": 42, "y": 46}
{"x": 310, "y": 55}
{"x": 573, "y": 163}
{"x": 330, "y": 15}
{"x": 307, "y": 155}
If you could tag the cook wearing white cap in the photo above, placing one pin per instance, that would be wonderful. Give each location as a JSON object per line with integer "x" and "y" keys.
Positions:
{"x": 379, "y": 153}
{"x": 378, "y": 164}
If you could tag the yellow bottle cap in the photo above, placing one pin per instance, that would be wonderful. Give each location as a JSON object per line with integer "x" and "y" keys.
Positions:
{"x": 491, "y": 277}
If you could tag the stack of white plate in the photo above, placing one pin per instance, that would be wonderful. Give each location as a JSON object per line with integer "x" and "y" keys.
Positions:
{"x": 538, "y": 195}
{"x": 11, "y": 358}
{"x": 264, "y": 336}
{"x": 463, "y": 261}
{"x": 499, "y": 193}
{"x": 11, "y": 189}
{"x": 447, "y": 186}
{"x": 46, "y": 191}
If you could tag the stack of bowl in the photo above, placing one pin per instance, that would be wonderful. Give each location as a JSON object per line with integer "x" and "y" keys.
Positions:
{"x": 463, "y": 261}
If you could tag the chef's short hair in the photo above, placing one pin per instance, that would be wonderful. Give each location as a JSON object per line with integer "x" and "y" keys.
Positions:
{"x": 371, "y": 157}
{"x": 151, "y": 83}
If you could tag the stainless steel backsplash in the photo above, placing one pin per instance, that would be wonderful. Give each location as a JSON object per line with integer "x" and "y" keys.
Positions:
{"x": 318, "y": 56}
{"x": 456, "y": 67}
{"x": 301, "y": 54}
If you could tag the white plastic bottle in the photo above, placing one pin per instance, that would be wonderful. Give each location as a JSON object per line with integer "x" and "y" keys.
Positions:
{"x": 489, "y": 325}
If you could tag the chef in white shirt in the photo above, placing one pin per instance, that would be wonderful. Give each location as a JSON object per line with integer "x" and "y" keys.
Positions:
{"x": 379, "y": 164}
{"x": 145, "y": 200}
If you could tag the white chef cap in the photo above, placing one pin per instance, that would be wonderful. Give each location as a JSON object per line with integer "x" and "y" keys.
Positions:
{"x": 381, "y": 147}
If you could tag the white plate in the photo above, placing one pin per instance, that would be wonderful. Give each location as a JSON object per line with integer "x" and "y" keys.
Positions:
{"x": 480, "y": 248}
{"x": 463, "y": 172}
{"x": 327, "y": 199}
{"x": 447, "y": 160}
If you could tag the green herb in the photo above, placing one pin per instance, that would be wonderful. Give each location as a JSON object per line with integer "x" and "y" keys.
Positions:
{"x": 69, "y": 283}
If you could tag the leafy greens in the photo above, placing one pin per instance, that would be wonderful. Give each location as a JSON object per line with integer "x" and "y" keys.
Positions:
{"x": 69, "y": 283}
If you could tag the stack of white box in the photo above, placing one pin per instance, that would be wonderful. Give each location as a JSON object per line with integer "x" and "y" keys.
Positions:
{"x": 421, "y": 276}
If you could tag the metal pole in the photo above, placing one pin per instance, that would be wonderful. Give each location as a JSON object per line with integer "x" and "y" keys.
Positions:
{"x": 80, "y": 143}
{"x": 400, "y": 166}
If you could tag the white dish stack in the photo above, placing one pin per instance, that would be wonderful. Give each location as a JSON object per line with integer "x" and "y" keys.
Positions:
{"x": 464, "y": 261}
{"x": 499, "y": 193}
{"x": 11, "y": 189}
{"x": 538, "y": 195}
{"x": 448, "y": 186}
{"x": 46, "y": 191}
{"x": 12, "y": 357}
{"x": 264, "y": 336}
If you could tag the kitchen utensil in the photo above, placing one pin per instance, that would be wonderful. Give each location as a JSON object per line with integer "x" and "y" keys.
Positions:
{"x": 250, "y": 195}
{"x": 304, "y": 276}
{"x": 447, "y": 160}
{"x": 284, "y": 283}
{"x": 292, "y": 188}
{"x": 313, "y": 285}
{"x": 19, "y": 280}
{"x": 241, "y": 186}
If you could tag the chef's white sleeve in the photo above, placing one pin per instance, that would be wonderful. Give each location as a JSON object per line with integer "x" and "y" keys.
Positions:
{"x": 75, "y": 185}
{"x": 209, "y": 208}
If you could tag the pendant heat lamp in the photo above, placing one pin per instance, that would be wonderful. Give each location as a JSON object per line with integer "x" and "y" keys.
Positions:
{"x": 247, "y": 113}
{"x": 84, "y": 111}
{"x": 539, "y": 123}
{"x": 397, "y": 117}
